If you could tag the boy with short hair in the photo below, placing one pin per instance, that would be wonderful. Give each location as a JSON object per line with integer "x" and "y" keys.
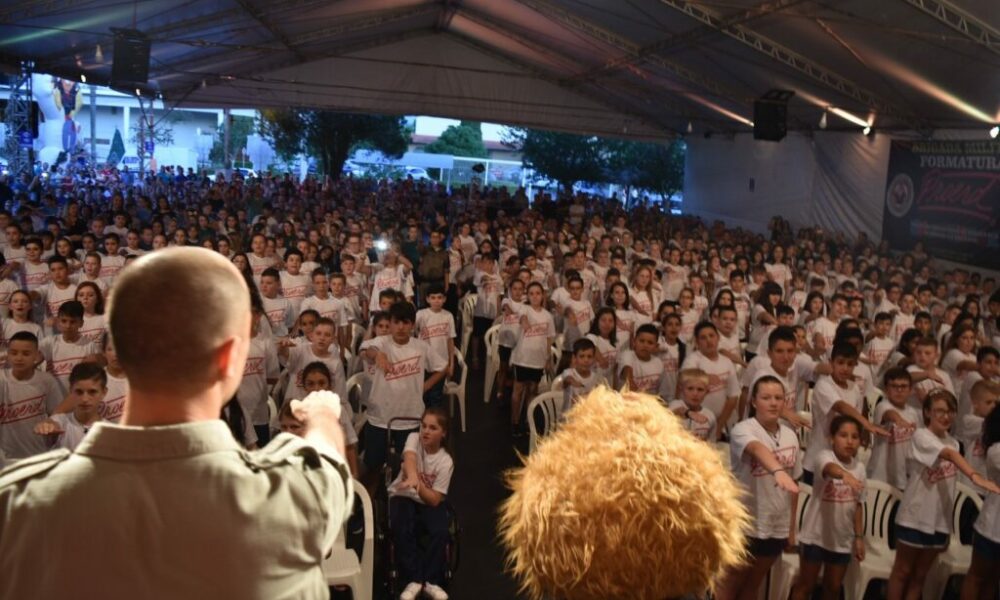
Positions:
{"x": 783, "y": 362}
{"x": 904, "y": 319}
{"x": 580, "y": 378}
{"x": 88, "y": 384}
{"x": 984, "y": 395}
{"x": 355, "y": 287}
{"x": 880, "y": 346}
{"x": 672, "y": 353}
{"x": 725, "y": 319}
{"x": 322, "y": 347}
{"x": 701, "y": 423}
{"x": 57, "y": 292}
{"x": 63, "y": 351}
{"x": 988, "y": 368}
{"x": 723, "y": 383}
{"x": 436, "y": 327}
{"x": 326, "y": 305}
{"x": 925, "y": 372}
{"x": 294, "y": 283}
{"x": 835, "y": 394}
{"x": 888, "y": 459}
{"x": 639, "y": 368}
{"x": 825, "y": 327}
{"x": 278, "y": 309}
{"x": 405, "y": 368}
{"x": 27, "y": 398}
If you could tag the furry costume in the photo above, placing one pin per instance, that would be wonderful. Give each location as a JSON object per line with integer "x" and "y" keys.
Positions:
{"x": 621, "y": 502}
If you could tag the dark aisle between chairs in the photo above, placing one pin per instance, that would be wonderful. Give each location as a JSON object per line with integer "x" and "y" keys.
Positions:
{"x": 481, "y": 456}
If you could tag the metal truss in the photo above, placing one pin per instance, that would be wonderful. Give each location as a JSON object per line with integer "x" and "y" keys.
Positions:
{"x": 17, "y": 118}
{"x": 787, "y": 57}
{"x": 36, "y": 8}
{"x": 961, "y": 21}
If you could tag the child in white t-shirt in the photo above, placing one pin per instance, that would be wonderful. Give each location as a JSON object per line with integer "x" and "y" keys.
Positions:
{"x": 532, "y": 355}
{"x": 510, "y": 332}
{"x": 765, "y": 459}
{"x": 20, "y": 318}
{"x": 113, "y": 406}
{"x": 723, "y": 384}
{"x": 888, "y": 459}
{"x": 924, "y": 518}
{"x": 880, "y": 346}
{"x": 278, "y": 310}
{"x": 31, "y": 396}
{"x": 984, "y": 570}
{"x": 693, "y": 387}
{"x": 65, "y": 350}
{"x": 436, "y": 326}
{"x": 581, "y": 377}
{"x": 87, "y": 388}
{"x": 295, "y": 285}
{"x": 323, "y": 348}
{"x": 416, "y": 499}
{"x": 325, "y": 305}
{"x": 927, "y": 377}
{"x": 984, "y": 397}
{"x": 639, "y": 368}
{"x": 316, "y": 377}
{"x": 672, "y": 353}
{"x": 833, "y": 526}
{"x": 56, "y": 292}
{"x": 261, "y": 372}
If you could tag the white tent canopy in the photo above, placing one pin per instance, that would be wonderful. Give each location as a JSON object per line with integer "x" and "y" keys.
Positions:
{"x": 627, "y": 68}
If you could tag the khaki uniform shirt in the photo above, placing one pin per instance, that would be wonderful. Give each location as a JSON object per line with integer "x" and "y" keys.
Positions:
{"x": 180, "y": 511}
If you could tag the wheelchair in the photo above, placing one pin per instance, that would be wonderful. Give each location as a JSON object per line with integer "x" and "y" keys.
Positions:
{"x": 385, "y": 556}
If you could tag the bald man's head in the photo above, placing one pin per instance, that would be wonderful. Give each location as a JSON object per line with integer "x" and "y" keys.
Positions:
{"x": 171, "y": 311}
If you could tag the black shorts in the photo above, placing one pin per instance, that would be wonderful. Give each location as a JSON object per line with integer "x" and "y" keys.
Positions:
{"x": 985, "y": 547}
{"x": 504, "y": 353}
{"x": 527, "y": 374}
{"x": 766, "y": 547}
{"x": 480, "y": 325}
{"x": 813, "y": 553}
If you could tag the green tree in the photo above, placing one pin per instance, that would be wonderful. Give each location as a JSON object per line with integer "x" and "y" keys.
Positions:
{"x": 654, "y": 167}
{"x": 332, "y": 136}
{"x": 240, "y": 130}
{"x": 563, "y": 157}
{"x": 465, "y": 139}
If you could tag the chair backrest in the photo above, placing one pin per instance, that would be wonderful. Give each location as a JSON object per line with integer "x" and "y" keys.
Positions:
{"x": 557, "y": 383}
{"x": 880, "y": 501}
{"x": 803, "y": 432}
{"x": 366, "y": 504}
{"x": 468, "y": 305}
{"x": 492, "y": 340}
{"x": 805, "y": 495}
{"x": 355, "y": 395}
{"x": 547, "y": 407}
{"x": 963, "y": 494}
{"x": 463, "y": 371}
{"x": 357, "y": 333}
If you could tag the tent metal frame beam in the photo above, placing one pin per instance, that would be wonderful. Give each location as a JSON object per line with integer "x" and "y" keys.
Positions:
{"x": 788, "y": 57}
{"x": 961, "y": 21}
{"x": 37, "y": 8}
{"x": 278, "y": 35}
{"x": 632, "y": 49}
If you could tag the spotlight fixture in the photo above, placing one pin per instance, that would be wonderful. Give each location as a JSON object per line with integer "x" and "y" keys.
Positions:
{"x": 690, "y": 127}
{"x": 138, "y": 92}
{"x": 83, "y": 78}
{"x": 204, "y": 84}
{"x": 867, "y": 130}
{"x": 994, "y": 131}
{"x": 822, "y": 121}
{"x": 99, "y": 54}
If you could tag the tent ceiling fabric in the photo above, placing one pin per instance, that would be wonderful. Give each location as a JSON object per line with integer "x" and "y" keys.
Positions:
{"x": 626, "y": 68}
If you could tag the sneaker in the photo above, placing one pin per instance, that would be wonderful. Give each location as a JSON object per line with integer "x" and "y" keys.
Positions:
{"x": 434, "y": 592}
{"x": 412, "y": 591}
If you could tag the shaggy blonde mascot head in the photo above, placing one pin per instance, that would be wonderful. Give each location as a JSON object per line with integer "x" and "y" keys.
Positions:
{"x": 621, "y": 502}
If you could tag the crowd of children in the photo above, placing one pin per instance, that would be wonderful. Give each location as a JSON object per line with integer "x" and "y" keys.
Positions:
{"x": 889, "y": 362}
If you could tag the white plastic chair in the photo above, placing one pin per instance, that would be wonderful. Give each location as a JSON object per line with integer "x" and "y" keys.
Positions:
{"x": 880, "y": 499}
{"x": 492, "y": 341}
{"x": 468, "y": 304}
{"x": 557, "y": 384}
{"x": 355, "y": 389}
{"x": 456, "y": 389}
{"x": 342, "y": 567}
{"x": 549, "y": 404}
{"x": 273, "y": 423}
{"x": 784, "y": 571}
{"x": 957, "y": 558}
{"x": 804, "y": 432}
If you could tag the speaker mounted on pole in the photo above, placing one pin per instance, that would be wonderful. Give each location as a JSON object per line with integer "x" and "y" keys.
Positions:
{"x": 770, "y": 115}
{"x": 130, "y": 58}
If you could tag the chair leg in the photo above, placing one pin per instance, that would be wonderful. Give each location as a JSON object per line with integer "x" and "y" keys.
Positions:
{"x": 461, "y": 406}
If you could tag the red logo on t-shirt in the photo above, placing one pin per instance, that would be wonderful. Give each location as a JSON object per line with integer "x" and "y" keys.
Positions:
{"x": 785, "y": 457}
{"x": 536, "y": 329}
{"x": 837, "y": 491}
{"x": 944, "y": 470}
{"x": 404, "y": 368}
{"x": 431, "y": 331}
{"x": 19, "y": 411}
{"x": 254, "y": 366}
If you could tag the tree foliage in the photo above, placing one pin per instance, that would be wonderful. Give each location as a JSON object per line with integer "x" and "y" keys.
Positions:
{"x": 332, "y": 136}
{"x": 239, "y": 131}
{"x": 563, "y": 157}
{"x": 568, "y": 158}
{"x": 464, "y": 139}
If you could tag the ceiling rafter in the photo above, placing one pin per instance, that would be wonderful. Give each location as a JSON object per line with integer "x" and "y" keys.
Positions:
{"x": 35, "y": 8}
{"x": 602, "y": 99}
{"x": 279, "y": 36}
{"x": 961, "y": 21}
{"x": 793, "y": 59}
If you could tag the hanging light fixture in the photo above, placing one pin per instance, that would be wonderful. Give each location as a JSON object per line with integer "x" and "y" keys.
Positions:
{"x": 99, "y": 54}
{"x": 822, "y": 120}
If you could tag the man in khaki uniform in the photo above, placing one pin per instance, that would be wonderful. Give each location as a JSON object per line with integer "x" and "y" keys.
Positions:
{"x": 167, "y": 504}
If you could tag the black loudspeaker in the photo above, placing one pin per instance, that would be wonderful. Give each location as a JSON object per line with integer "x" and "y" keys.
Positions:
{"x": 770, "y": 115}
{"x": 130, "y": 58}
{"x": 770, "y": 120}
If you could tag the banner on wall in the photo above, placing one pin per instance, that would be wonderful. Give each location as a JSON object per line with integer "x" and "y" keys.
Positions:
{"x": 945, "y": 194}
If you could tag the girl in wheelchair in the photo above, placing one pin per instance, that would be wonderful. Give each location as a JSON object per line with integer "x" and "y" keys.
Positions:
{"x": 416, "y": 503}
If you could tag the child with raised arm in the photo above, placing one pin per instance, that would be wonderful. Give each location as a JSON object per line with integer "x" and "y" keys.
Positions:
{"x": 969, "y": 430}
{"x": 532, "y": 354}
{"x": 927, "y": 377}
{"x": 322, "y": 347}
{"x": 640, "y": 368}
{"x": 87, "y": 388}
{"x": 672, "y": 353}
{"x": 509, "y": 334}
{"x": 28, "y": 397}
{"x": 833, "y": 526}
{"x": 436, "y": 326}
{"x": 65, "y": 350}
{"x": 693, "y": 385}
{"x": 984, "y": 571}
{"x": 835, "y": 394}
{"x": 315, "y": 377}
{"x": 326, "y": 305}
{"x": 56, "y": 292}
{"x": 879, "y": 348}
{"x": 581, "y": 377}
{"x": 888, "y": 459}
{"x": 405, "y": 368}
{"x": 923, "y": 520}
{"x": 765, "y": 460}
{"x": 988, "y": 368}
{"x": 260, "y": 372}
{"x": 723, "y": 384}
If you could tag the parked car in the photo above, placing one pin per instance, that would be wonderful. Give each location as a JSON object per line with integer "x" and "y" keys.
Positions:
{"x": 353, "y": 169}
{"x": 417, "y": 173}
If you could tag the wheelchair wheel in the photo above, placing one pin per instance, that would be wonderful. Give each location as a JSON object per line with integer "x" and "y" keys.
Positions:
{"x": 453, "y": 549}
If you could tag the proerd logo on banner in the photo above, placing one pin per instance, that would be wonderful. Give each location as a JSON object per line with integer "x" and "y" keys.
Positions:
{"x": 899, "y": 196}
